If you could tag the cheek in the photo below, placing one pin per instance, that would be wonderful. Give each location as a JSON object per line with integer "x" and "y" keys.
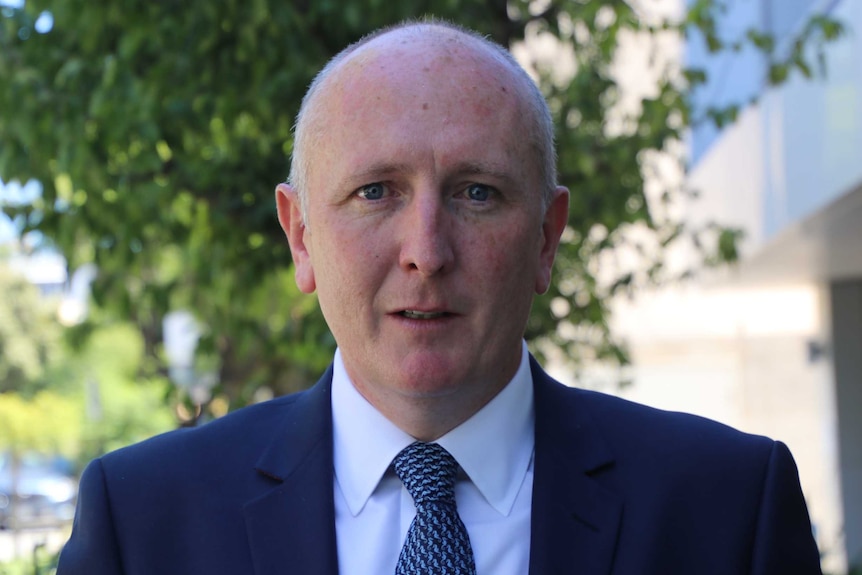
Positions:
{"x": 505, "y": 258}
{"x": 343, "y": 294}
{"x": 348, "y": 268}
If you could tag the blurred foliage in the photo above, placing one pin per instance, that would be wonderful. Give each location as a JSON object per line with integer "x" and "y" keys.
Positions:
{"x": 78, "y": 405}
{"x": 39, "y": 562}
{"x": 30, "y": 337}
{"x": 118, "y": 403}
{"x": 45, "y": 423}
{"x": 159, "y": 129}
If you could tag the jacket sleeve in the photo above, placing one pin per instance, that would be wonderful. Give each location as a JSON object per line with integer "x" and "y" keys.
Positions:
{"x": 784, "y": 542}
{"x": 92, "y": 548}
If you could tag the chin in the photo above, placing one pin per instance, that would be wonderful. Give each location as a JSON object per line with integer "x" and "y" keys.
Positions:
{"x": 432, "y": 376}
{"x": 430, "y": 388}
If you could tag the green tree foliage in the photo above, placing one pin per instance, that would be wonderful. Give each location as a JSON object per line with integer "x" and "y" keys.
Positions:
{"x": 88, "y": 403}
{"x": 30, "y": 337}
{"x": 118, "y": 403}
{"x": 78, "y": 405}
{"x": 158, "y": 131}
{"x": 46, "y": 423}
{"x": 32, "y": 417}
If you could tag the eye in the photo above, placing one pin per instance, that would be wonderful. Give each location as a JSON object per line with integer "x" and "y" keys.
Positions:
{"x": 375, "y": 191}
{"x": 478, "y": 192}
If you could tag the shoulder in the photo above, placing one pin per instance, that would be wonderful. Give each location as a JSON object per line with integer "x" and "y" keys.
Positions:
{"x": 638, "y": 435}
{"x": 677, "y": 459}
{"x": 618, "y": 416}
{"x": 237, "y": 438}
{"x": 684, "y": 482}
{"x": 623, "y": 421}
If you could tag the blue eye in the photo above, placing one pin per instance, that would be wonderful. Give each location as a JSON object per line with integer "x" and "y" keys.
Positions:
{"x": 374, "y": 191}
{"x": 478, "y": 192}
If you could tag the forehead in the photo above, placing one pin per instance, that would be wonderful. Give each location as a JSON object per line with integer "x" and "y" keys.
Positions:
{"x": 445, "y": 84}
{"x": 439, "y": 66}
{"x": 427, "y": 47}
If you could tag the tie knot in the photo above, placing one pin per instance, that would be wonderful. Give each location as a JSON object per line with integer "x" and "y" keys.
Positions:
{"x": 428, "y": 472}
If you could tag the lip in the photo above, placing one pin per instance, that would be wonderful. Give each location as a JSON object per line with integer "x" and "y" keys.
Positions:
{"x": 423, "y": 314}
{"x": 438, "y": 324}
{"x": 418, "y": 312}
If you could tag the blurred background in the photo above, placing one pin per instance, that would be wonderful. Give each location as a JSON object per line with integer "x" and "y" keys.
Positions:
{"x": 712, "y": 262}
{"x": 771, "y": 344}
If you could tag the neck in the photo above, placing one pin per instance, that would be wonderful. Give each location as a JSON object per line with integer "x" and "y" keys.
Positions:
{"x": 429, "y": 418}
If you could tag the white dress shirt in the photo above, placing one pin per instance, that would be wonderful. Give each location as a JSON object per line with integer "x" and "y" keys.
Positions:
{"x": 494, "y": 448}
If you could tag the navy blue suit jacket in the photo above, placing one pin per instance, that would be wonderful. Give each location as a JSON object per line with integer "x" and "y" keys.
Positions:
{"x": 618, "y": 489}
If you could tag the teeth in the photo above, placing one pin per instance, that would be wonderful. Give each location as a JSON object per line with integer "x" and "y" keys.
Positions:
{"x": 421, "y": 315}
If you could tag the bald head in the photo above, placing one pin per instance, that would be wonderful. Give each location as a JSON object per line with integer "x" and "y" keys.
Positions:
{"x": 426, "y": 51}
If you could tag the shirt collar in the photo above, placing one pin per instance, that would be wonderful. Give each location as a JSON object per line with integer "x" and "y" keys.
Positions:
{"x": 494, "y": 447}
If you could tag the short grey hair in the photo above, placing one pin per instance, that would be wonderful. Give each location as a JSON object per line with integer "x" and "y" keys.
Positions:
{"x": 307, "y": 133}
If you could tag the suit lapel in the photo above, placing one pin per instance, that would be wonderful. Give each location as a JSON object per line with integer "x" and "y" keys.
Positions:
{"x": 575, "y": 518}
{"x": 291, "y": 527}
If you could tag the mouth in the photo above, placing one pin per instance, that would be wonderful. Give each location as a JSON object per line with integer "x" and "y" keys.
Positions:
{"x": 413, "y": 314}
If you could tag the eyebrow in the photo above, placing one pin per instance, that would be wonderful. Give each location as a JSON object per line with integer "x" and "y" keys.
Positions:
{"x": 469, "y": 168}
{"x": 379, "y": 170}
{"x": 485, "y": 169}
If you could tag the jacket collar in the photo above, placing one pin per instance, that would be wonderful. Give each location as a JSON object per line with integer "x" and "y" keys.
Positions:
{"x": 575, "y": 519}
{"x": 292, "y": 525}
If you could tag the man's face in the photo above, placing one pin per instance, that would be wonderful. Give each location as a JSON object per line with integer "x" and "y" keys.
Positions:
{"x": 426, "y": 237}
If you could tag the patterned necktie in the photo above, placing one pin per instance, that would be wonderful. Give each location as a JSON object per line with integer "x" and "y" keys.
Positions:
{"x": 437, "y": 542}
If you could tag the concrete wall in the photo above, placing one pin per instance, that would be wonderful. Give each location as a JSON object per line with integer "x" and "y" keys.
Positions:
{"x": 779, "y": 356}
{"x": 846, "y": 297}
{"x": 753, "y": 359}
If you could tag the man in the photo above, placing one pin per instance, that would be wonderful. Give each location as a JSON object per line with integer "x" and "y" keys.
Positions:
{"x": 423, "y": 210}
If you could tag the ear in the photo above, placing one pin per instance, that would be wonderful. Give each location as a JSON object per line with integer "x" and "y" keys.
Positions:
{"x": 556, "y": 218}
{"x": 290, "y": 218}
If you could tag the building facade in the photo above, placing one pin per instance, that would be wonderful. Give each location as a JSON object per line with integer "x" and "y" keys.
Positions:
{"x": 773, "y": 345}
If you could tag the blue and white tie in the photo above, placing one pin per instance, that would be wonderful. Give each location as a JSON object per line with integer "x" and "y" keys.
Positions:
{"x": 437, "y": 542}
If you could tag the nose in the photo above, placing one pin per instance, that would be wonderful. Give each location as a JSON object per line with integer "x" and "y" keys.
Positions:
{"x": 426, "y": 242}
